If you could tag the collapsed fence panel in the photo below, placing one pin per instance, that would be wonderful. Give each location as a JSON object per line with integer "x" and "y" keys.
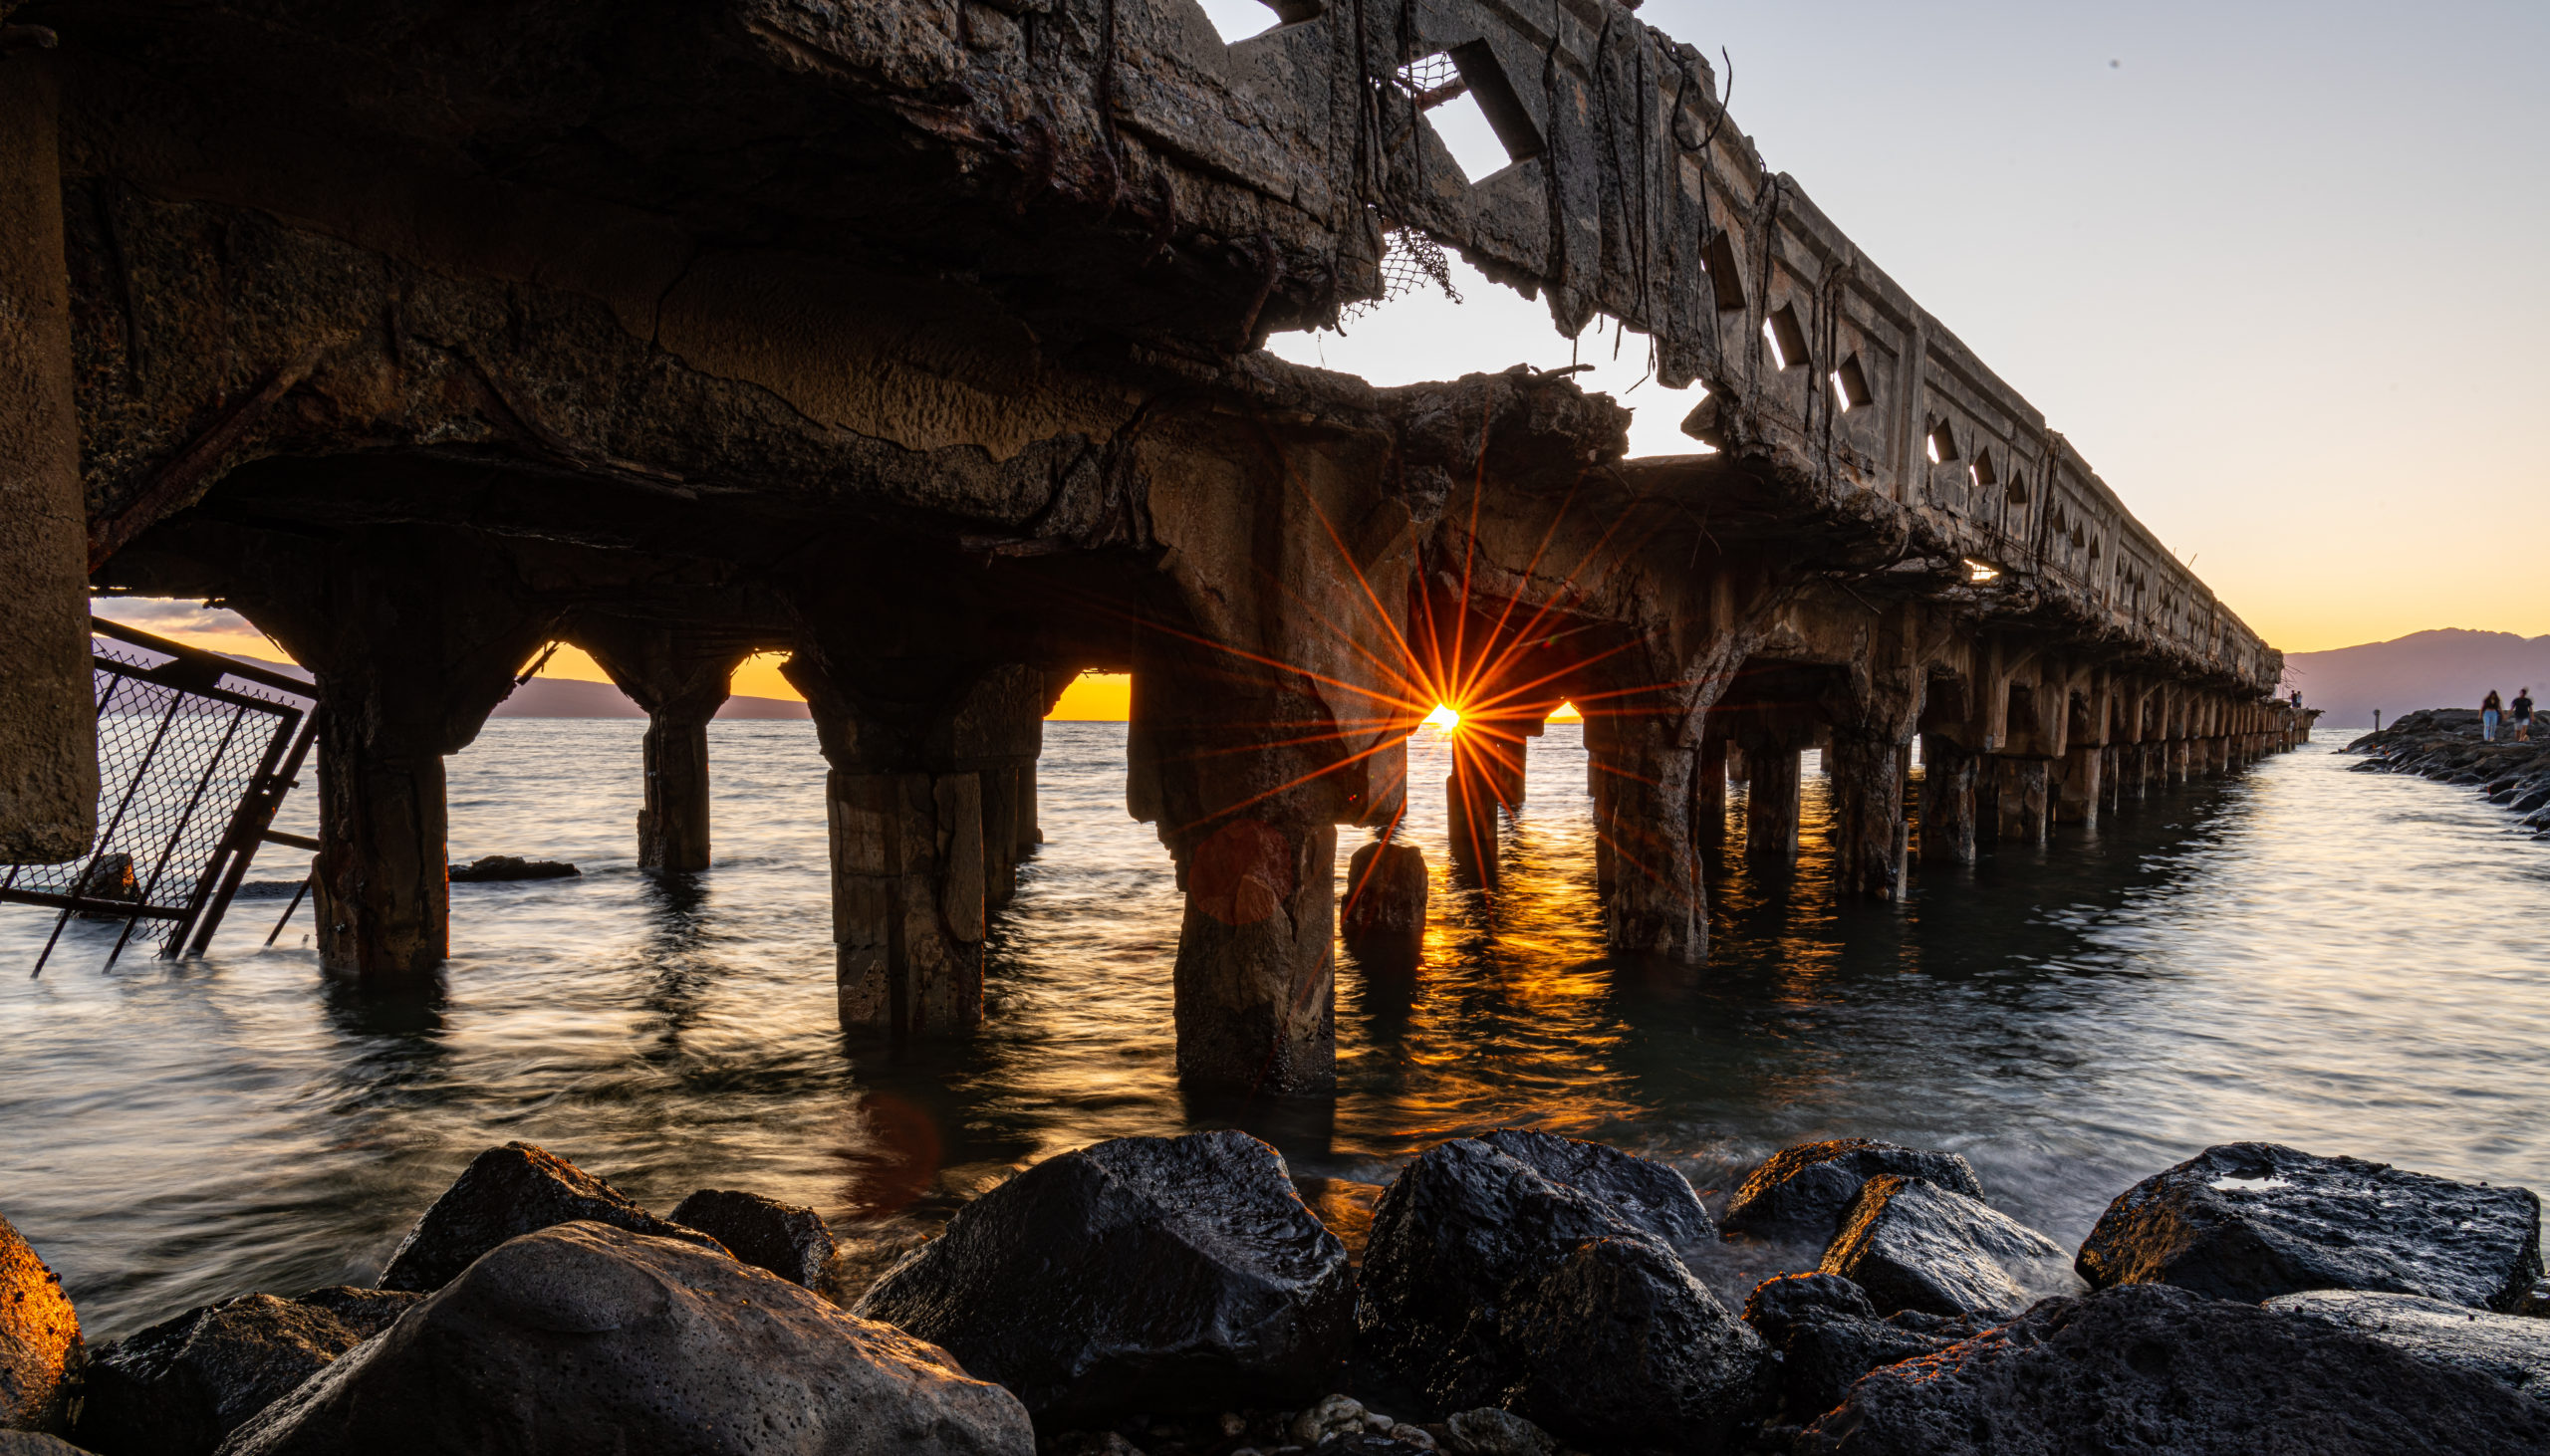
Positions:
{"x": 195, "y": 753}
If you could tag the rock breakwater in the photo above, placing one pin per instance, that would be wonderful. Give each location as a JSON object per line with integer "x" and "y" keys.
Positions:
{"x": 2446, "y": 744}
{"x": 1522, "y": 1295}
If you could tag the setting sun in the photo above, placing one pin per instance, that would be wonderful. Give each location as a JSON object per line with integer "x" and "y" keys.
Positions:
{"x": 1443, "y": 716}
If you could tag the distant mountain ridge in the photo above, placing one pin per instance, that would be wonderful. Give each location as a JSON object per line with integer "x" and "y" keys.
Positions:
{"x": 2448, "y": 667}
{"x": 567, "y": 697}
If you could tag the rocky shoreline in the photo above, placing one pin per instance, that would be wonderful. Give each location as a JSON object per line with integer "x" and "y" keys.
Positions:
{"x": 1514, "y": 1294}
{"x": 2445, "y": 744}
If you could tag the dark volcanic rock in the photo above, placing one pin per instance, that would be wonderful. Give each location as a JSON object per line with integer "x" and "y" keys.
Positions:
{"x": 1801, "y": 1192}
{"x": 35, "y": 1443}
{"x": 1913, "y": 1246}
{"x": 1777, "y": 1303}
{"x": 365, "y": 1311}
{"x": 792, "y": 1243}
{"x": 1648, "y": 1194}
{"x": 1383, "y": 914}
{"x": 1489, "y": 1282}
{"x": 2505, "y": 1347}
{"x": 1619, "y": 1344}
{"x": 1826, "y": 1352}
{"x": 2149, "y": 1368}
{"x": 1145, "y": 1274}
{"x": 181, "y": 1385}
{"x": 2252, "y": 1220}
{"x": 504, "y": 1193}
{"x": 39, "y": 1338}
{"x": 584, "y": 1338}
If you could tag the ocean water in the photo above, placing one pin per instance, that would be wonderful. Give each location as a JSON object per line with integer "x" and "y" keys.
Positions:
{"x": 2347, "y": 962}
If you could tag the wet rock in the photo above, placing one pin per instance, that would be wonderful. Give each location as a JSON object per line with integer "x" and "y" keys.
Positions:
{"x": 2153, "y": 1368}
{"x": 2252, "y": 1220}
{"x": 1491, "y": 1432}
{"x": 2505, "y": 1347}
{"x": 790, "y": 1242}
{"x": 587, "y": 1338}
{"x": 181, "y": 1385}
{"x": 1777, "y": 1303}
{"x": 1384, "y": 914}
{"x": 1648, "y": 1194}
{"x": 1141, "y": 1274}
{"x": 1801, "y": 1192}
{"x": 1488, "y": 1282}
{"x": 1913, "y": 1246}
{"x": 365, "y": 1311}
{"x": 1620, "y": 1346}
{"x": 1828, "y": 1351}
{"x": 35, "y": 1443}
{"x": 39, "y": 1338}
{"x": 498, "y": 868}
{"x": 504, "y": 1193}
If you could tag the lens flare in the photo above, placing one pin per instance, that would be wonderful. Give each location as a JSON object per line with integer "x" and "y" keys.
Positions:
{"x": 1444, "y": 716}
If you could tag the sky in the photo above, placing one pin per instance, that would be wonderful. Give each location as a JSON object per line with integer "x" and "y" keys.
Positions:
{"x": 2275, "y": 269}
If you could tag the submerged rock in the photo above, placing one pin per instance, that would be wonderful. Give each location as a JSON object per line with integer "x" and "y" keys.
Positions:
{"x": 181, "y": 1385}
{"x": 2504, "y": 1348}
{"x": 2252, "y": 1220}
{"x": 1913, "y": 1246}
{"x": 1144, "y": 1274}
{"x": 497, "y": 869}
{"x": 790, "y": 1242}
{"x": 586, "y": 1337}
{"x": 1488, "y": 1282}
{"x": 1802, "y": 1193}
{"x": 39, "y": 1338}
{"x": 1383, "y": 914}
{"x": 2157, "y": 1370}
{"x": 504, "y": 1193}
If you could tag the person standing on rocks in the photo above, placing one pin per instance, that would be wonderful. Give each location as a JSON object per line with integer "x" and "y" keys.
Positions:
{"x": 2489, "y": 707}
{"x": 2523, "y": 716}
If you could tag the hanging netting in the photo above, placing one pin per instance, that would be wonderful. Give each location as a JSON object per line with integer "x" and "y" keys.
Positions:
{"x": 1410, "y": 261}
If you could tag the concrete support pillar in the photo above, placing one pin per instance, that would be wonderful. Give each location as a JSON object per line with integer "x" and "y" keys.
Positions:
{"x": 1773, "y": 804}
{"x": 48, "y": 718}
{"x": 2025, "y": 785}
{"x": 1654, "y": 904}
{"x": 1709, "y": 793}
{"x": 1867, "y": 814}
{"x": 2076, "y": 798}
{"x": 414, "y": 638}
{"x": 1384, "y": 917}
{"x": 680, "y": 679}
{"x": 907, "y": 900}
{"x": 912, "y": 744}
{"x": 1948, "y": 802}
{"x": 1469, "y": 812}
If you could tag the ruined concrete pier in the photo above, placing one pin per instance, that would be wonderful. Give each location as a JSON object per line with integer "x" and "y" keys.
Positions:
{"x": 739, "y": 325}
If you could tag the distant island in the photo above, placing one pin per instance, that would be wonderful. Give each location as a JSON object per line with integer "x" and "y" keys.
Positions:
{"x": 2449, "y": 668}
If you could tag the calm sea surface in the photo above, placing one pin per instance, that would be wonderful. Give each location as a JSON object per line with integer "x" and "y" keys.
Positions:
{"x": 2348, "y": 962}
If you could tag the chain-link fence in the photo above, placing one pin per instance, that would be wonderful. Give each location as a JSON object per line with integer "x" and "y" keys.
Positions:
{"x": 195, "y": 752}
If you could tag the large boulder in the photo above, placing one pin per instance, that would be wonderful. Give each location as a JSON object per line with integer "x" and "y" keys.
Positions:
{"x": 1490, "y": 1282}
{"x": 1802, "y": 1193}
{"x": 35, "y": 1443}
{"x": 1913, "y": 1246}
{"x": 584, "y": 1338}
{"x": 1647, "y": 1194}
{"x": 2252, "y": 1220}
{"x": 789, "y": 1241}
{"x": 2150, "y": 1368}
{"x": 39, "y": 1338}
{"x": 504, "y": 1193}
{"x": 1145, "y": 1274}
{"x": 1829, "y": 1335}
{"x": 2506, "y": 1348}
{"x": 181, "y": 1385}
